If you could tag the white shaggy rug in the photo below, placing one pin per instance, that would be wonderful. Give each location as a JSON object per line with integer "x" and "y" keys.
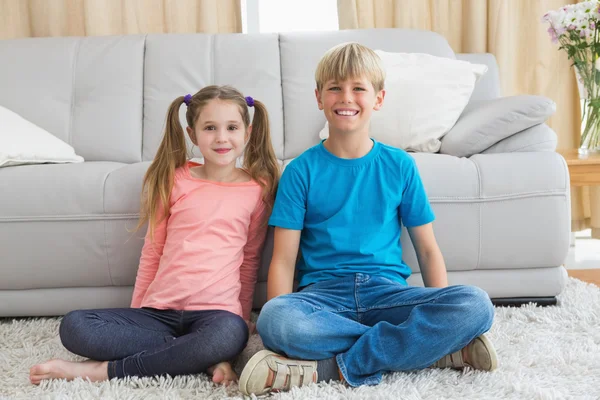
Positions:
{"x": 544, "y": 353}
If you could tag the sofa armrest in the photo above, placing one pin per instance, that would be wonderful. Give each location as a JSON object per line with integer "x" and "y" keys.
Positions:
{"x": 537, "y": 138}
{"x": 485, "y": 123}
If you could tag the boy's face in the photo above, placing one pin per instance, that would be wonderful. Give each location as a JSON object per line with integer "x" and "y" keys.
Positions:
{"x": 348, "y": 104}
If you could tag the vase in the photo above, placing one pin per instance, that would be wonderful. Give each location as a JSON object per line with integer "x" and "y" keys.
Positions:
{"x": 589, "y": 93}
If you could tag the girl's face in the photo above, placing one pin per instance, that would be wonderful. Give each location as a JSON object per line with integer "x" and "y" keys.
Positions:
{"x": 220, "y": 133}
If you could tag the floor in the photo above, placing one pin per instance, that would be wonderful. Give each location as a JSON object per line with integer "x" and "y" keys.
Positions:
{"x": 583, "y": 260}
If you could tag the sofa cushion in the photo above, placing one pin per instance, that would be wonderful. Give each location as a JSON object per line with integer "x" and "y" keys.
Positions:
{"x": 487, "y": 122}
{"x": 77, "y": 214}
{"x": 537, "y": 138}
{"x": 54, "y": 191}
{"x": 59, "y": 208}
{"x": 524, "y": 209}
{"x": 483, "y": 213}
{"x": 123, "y": 189}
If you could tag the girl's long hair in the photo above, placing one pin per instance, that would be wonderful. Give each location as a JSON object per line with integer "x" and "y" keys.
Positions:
{"x": 259, "y": 156}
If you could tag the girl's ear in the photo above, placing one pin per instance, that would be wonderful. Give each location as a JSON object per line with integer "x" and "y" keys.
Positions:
{"x": 191, "y": 135}
{"x": 248, "y": 132}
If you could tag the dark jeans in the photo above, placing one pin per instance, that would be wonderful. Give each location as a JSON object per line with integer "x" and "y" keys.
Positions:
{"x": 150, "y": 342}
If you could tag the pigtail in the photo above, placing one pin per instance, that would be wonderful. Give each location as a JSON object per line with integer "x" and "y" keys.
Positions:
{"x": 158, "y": 181}
{"x": 259, "y": 155}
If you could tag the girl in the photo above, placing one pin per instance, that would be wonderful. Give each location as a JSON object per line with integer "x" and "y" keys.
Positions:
{"x": 191, "y": 304}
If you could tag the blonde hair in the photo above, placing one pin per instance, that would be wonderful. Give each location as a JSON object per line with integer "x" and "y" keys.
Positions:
{"x": 350, "y": 60}
{"x": 259, "y": 156}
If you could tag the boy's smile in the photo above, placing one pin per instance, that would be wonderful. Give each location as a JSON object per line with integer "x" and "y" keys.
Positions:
{"x": 348, "y": 104}
{"x": 346, "y": 112}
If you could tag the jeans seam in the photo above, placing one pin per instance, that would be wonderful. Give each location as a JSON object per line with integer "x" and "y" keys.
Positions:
{"x": 356, "y": 301}
{"x": 410, "y": 303}
{"x": 339, "y": 310}
{"x": 382, "y": 307}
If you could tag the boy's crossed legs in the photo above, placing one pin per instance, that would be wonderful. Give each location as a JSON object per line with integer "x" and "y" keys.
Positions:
{"x": 368, "y": 325}
{"x": 146, "y": 342}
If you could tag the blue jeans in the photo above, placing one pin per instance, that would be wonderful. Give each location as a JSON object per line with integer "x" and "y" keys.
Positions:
{"x": 374, "y": 325}
{"x": 151, "y": 342}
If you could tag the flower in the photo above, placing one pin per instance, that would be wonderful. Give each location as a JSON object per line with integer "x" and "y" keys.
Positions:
{"x": 576, "y": 28}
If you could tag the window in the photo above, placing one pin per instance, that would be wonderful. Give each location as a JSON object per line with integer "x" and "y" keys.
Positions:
{"x": 289, "y": 15}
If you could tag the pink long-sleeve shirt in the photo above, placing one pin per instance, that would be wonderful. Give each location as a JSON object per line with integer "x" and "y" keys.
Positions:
{"x": 205, "y": 255}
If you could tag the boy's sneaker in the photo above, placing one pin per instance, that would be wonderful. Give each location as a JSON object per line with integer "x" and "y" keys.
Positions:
{"x": 285, "y": 373}
{"x": 481, "y": 355}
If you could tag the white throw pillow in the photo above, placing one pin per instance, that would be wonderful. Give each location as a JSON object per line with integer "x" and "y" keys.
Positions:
{"x": 424, "y": 97}
{"x": 22, "y": 142}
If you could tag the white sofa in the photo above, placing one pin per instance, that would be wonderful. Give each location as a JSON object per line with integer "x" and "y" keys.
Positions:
{"x": 65, "y": 242}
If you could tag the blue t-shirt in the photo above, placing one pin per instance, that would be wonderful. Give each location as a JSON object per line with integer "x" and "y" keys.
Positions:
{"x": 351, "y": 211}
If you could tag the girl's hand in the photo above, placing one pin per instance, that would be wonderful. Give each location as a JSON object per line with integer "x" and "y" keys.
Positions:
{"x": 251, "y": 327}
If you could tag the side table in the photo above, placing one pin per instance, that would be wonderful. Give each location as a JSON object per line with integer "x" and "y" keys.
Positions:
{"x": 584, "y": 170}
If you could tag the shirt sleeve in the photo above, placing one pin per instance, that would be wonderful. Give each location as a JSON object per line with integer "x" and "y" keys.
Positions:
{"x": 149, "y": 261}
{"x": 415, "y": 209}
{"x": 252, "y": 254}
{"x": 290, "y": 203}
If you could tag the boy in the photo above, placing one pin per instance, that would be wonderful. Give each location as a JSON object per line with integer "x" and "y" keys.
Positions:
{"x": 343, "y": 202}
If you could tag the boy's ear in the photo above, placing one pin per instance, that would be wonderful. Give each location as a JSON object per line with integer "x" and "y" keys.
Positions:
{"x": 190, "y": 133}
{"x": 318, "y": 96}
{"x": 379, "y": 100}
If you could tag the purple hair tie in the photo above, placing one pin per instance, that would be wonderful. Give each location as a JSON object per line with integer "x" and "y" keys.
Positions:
{"x": 187, "y": 99}
{"x": 250, "y": 101}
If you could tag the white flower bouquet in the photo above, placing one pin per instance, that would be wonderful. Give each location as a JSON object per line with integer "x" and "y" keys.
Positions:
{"x": 576, "y": 28}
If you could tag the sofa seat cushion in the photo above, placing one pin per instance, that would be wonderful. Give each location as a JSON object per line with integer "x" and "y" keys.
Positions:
{"x": 489, "y": 207}
{"x": 78, "y": 220}
{"x": 54, "y": 192}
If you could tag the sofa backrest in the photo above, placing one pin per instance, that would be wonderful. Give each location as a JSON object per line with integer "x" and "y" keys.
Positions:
{"x": 85, "y": 91}
{"x": 488, "y": 86}
{"x": 179, "y": 64}
{"x": 108, "y": 96}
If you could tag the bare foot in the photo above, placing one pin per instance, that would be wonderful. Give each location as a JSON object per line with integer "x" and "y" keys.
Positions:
{"x": 69, "y": 370}
{"x": 223, "y": 373}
